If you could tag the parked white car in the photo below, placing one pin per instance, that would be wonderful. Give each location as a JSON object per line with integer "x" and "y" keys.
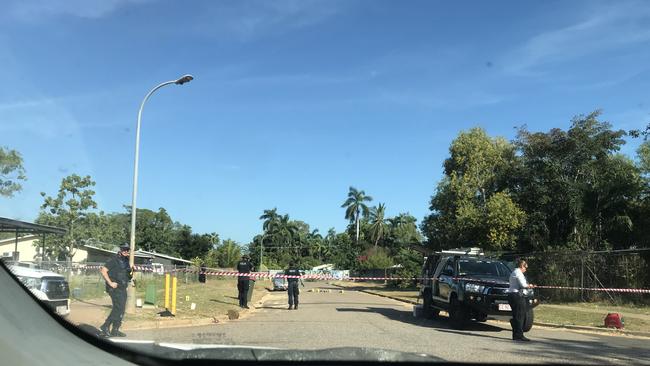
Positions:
{"x": 49, "y": 287}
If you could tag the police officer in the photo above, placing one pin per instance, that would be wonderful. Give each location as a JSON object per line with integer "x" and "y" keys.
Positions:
{"x": 117, "y": 273}
{"x": 517, "y": 301}
{"x": 202, "y": 269}
{"x": 244, "y": 266}
{"x": 292, "y": 288}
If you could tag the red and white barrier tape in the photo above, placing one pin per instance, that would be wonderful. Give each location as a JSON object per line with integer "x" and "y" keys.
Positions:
{"x": 329, "y": 277}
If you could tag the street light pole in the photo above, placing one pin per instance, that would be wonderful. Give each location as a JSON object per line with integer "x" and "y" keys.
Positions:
{"x": 180, "y": 81}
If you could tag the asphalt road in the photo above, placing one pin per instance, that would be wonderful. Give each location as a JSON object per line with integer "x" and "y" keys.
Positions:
{"x": 355, "y": 319}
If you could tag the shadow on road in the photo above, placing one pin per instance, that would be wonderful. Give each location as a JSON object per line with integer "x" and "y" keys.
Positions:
{"x": 93, "y": 304}
{"x": 224, "y": 302}
{"x": 599, "y": 349}
{"x": 406, "y": 316}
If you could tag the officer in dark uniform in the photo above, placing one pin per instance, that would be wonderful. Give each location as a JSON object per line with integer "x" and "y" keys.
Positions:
{"x": 292, "y": 288}
{"x": 244, "y": 266}
{"x": 202, "y": 270}
{"x": 117, "y": 273}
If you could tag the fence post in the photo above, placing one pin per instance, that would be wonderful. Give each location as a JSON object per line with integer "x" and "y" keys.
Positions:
{"x": 166, "y": 290}
{"x": 174, "y": 284}
{"x": 582, "y": 278}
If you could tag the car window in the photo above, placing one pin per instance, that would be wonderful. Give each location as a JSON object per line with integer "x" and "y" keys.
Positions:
{"x": 479, "y": 267}
{"x": 448, "y": 270}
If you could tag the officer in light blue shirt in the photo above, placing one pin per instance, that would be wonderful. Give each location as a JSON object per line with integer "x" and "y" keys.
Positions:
{"x": 517, "y": 301}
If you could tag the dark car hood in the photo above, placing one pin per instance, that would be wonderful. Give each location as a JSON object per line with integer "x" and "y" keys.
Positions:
{"x": 178, "y": 351}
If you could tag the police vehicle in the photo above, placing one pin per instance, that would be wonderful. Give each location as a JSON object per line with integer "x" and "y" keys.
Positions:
{"x": 469, "y": 286}
{"x": 49, "y": 287}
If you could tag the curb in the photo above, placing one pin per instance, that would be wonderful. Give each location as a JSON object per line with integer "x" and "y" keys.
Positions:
{"x": 163, "y": 324}
{"x": 610, "y": 331}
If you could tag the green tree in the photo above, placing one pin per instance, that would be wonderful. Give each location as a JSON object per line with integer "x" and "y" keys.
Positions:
{"x": 643, "y": 155}
{"x": 472, "y": 203}
{"x": 193, "y": 245}
{"x": 378, "y": 225}
{"x": 70, "y": 206}
{"x": 355, "y": 206}
{"x": 403, "y": 232}
{"x": 503, "y": 219}
{"x": 11, "y": 172}
{"x": 225, "y": 255}
{"x": 376, "y": 258}
{"x": 154, "y": 231}
{"x": 565, "y": 184}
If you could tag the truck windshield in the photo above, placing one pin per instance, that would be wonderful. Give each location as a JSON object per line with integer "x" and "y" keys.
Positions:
{"x": 483, "y": 268}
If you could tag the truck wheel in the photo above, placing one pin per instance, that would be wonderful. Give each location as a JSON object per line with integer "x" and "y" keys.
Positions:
{"x": 481, "y": 318}
{"x": 528, "y": 322}
{"x": 429, "y": 312}
{"x": 458, "y": 313}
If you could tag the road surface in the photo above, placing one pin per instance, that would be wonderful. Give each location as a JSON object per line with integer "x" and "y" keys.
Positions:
{"x": 334, "y": 319}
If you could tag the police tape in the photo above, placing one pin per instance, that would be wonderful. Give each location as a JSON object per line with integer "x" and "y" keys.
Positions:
{"x": 627, "y": 290}
{"x": 349, "y": 278}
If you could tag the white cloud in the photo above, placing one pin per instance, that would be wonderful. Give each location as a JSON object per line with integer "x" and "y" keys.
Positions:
{"x": 246, "y": 20}
{"x": 605, "y": 29}
{"x": 30, "y": 10}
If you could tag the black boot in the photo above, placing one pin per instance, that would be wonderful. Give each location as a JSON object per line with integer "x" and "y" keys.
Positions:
{"x": 103, "y": 330}
{"x": 295, "y": 307}
{"x": 290, "y": 306}
{"x": 116, "y": 333}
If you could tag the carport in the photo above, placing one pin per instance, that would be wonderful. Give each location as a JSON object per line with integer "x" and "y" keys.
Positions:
{"x": 23, "y": 227}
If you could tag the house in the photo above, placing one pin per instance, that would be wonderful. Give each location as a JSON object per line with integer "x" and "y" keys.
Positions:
{"x": 29, "y": 251}
{"x": 164, "y": 259}
{"x": 25, "y": 234}
{"x": 24, "y": 249}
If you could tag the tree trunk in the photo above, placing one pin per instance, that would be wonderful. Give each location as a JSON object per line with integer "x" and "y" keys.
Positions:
{"x": 357, "y": 228}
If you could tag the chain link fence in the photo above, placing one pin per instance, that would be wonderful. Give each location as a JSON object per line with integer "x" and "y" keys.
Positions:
{"x": 623, "y": 269}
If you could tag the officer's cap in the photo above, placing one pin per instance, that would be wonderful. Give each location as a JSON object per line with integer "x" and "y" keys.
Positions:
{"x": 125, "y": 246}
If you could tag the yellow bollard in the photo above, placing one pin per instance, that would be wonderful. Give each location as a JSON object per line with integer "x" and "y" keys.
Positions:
{"x": 174, "y": 282}
{"x": 167, "y": 291}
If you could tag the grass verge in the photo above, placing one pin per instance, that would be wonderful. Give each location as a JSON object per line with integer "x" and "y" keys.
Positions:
{"x": 213, "y": 299}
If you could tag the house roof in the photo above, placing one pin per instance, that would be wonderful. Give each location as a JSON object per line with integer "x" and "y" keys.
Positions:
{"x": 20, "y": 238}
{"x": 8, "y": 225}
{"x": 154, "y": 254}
{"x": 137, "y": 252}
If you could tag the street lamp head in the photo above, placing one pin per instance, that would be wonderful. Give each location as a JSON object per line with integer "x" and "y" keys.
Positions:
{"x": 184, "y": 79}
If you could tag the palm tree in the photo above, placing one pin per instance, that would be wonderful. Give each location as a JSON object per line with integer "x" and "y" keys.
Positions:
{"x": 270, "y": 218}
{"x": 286, "y": 229}
{"x": 316, "y": 245}
{"x": 355, "y": 206}
{"x": 378, "y": 226}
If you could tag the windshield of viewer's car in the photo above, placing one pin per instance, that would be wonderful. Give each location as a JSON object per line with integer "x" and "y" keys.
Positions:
{"x": 327, "y": 178}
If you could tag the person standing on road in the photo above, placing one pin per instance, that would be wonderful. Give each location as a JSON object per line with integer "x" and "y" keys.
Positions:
{"x": 292, "y": 284}
{"x": 117, "y": 273}
{"x": 517, "y": 301}
{"x": 244, "y": 266}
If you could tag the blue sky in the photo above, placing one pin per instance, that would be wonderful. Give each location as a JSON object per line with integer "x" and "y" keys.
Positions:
{"x": 294, "y": 101}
